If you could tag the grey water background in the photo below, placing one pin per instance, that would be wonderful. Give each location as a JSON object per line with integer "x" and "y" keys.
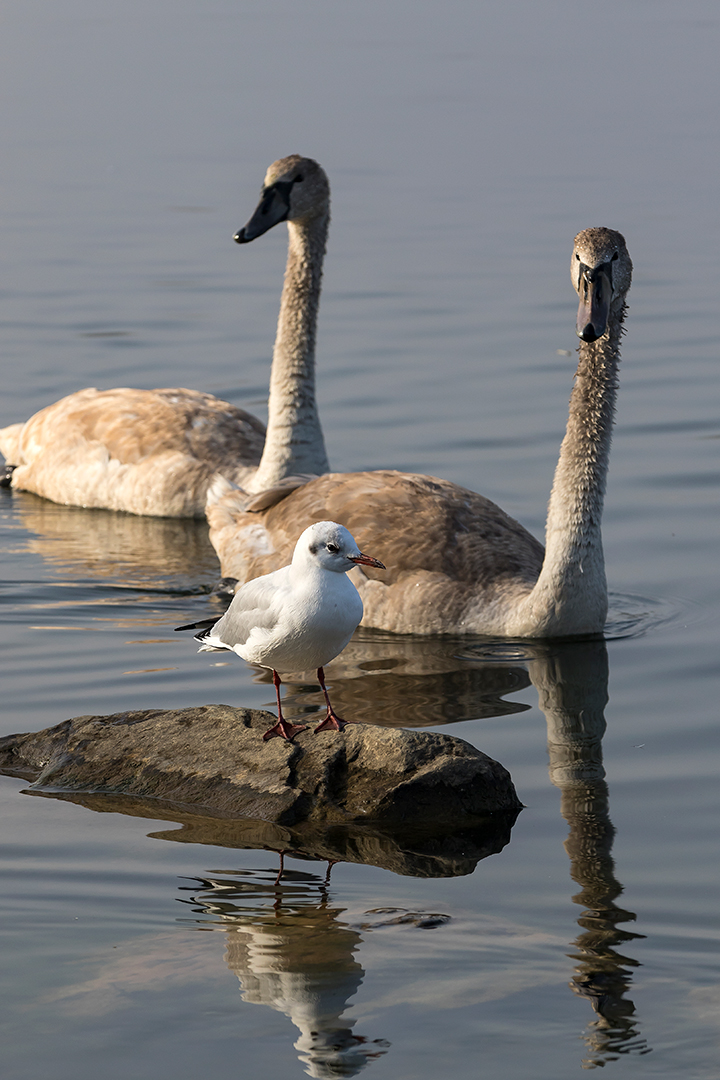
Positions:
{"x": 466, "y": 144}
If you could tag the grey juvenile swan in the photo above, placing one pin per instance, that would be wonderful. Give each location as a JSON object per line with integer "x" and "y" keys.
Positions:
{"x": 156, "y": 452}
{"x": 456, "y": 562}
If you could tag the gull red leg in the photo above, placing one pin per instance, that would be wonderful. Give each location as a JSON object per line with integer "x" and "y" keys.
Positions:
{"x": 332, "y": 721}
{"x": 284, "y": 729}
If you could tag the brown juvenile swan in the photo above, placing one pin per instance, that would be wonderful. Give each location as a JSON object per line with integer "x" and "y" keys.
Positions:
{"x": 456, "y": 562}
{"x": 156, "y": 452}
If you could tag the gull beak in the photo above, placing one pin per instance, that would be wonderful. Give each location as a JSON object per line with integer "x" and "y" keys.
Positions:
{"x": 366, "y": 560}
{"x": 274, "y": 207}
{"x": 596, "y": 291}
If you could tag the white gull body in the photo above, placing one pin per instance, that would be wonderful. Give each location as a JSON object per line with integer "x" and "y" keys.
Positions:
{"x": 298, "y": 617}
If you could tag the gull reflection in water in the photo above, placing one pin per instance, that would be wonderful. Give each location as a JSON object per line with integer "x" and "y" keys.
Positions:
{"x": 292, "y": 951}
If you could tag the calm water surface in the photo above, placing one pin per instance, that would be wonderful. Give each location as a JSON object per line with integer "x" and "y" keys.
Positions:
{"x": 466, "y": 144}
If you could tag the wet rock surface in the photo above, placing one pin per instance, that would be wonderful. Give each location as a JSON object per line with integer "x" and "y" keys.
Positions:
{"x": 212, "y": 759}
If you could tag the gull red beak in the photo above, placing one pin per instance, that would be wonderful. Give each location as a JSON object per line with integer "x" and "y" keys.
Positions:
{"x": 367, "y": 560}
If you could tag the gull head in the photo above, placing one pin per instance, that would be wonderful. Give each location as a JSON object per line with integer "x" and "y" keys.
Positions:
{"x": 332, "y": 547}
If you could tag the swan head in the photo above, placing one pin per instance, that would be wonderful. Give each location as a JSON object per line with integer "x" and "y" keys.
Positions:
{"x": 331, "y": 547}
{"x": 601, "y": 272}
{"x": 295, "y": 189}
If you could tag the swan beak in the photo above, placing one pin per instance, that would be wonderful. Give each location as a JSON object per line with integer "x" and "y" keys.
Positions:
{"x": 595, "y": 289}
{"x": 274, "y": 207}
{"x": 367, "y": 560}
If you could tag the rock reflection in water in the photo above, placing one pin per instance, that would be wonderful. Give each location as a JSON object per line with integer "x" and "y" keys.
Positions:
{"x": 571, "y": 680}
{"x": 410, "y": 850}
{"x": 292, "y": 951}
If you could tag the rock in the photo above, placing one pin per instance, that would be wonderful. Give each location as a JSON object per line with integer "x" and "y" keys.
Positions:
{"x": 213, "y": 757}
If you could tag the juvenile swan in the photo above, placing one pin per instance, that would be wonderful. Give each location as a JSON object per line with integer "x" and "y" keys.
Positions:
{"x": 296, "y": 618}
{"x": 156, "y": 452}
{"x": 458, "y": 563}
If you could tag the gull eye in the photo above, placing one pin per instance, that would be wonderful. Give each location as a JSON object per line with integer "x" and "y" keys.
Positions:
{"x": 333, "y": 549}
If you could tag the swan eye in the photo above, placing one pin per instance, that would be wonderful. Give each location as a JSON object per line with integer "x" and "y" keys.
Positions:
{"x": 332, "y": 548}
{"x": 299, "y": 179}
{"x": 615, "y": 256}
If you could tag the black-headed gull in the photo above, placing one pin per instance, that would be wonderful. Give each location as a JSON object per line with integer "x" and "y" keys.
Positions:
{"x": 298, "y": 617}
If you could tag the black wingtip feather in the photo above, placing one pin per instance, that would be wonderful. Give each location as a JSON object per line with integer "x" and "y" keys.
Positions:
{"x": 202, "y": 624}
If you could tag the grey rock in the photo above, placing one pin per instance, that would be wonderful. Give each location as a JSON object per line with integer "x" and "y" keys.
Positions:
{"x": 213, "y": 757}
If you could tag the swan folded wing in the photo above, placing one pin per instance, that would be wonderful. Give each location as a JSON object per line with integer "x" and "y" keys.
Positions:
{"x": 263, "y": 500}
{"x": 234, "y": 499}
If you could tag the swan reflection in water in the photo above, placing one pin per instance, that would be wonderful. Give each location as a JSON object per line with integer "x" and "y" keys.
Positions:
{"x": 571, "y": 680}
{"x": 122, "y": 549}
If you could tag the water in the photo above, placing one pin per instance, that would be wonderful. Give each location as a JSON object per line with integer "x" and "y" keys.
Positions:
{"x": 466, "y": 144}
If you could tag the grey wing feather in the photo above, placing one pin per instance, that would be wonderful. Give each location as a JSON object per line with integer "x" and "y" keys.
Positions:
{"x": 253, "y": 608}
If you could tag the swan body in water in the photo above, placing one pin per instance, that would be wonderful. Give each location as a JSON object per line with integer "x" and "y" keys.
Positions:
{"x": 157, "y": 452}
{"x": 458, "y": 563}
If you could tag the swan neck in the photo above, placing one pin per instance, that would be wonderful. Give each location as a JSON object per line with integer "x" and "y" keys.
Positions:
{"x": 294, "y": 442}
{"x": 570, "y": 596}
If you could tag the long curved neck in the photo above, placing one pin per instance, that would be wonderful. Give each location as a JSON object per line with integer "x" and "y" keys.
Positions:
{"x": 294, "y": 442}
{"x": 570, "y": 595}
